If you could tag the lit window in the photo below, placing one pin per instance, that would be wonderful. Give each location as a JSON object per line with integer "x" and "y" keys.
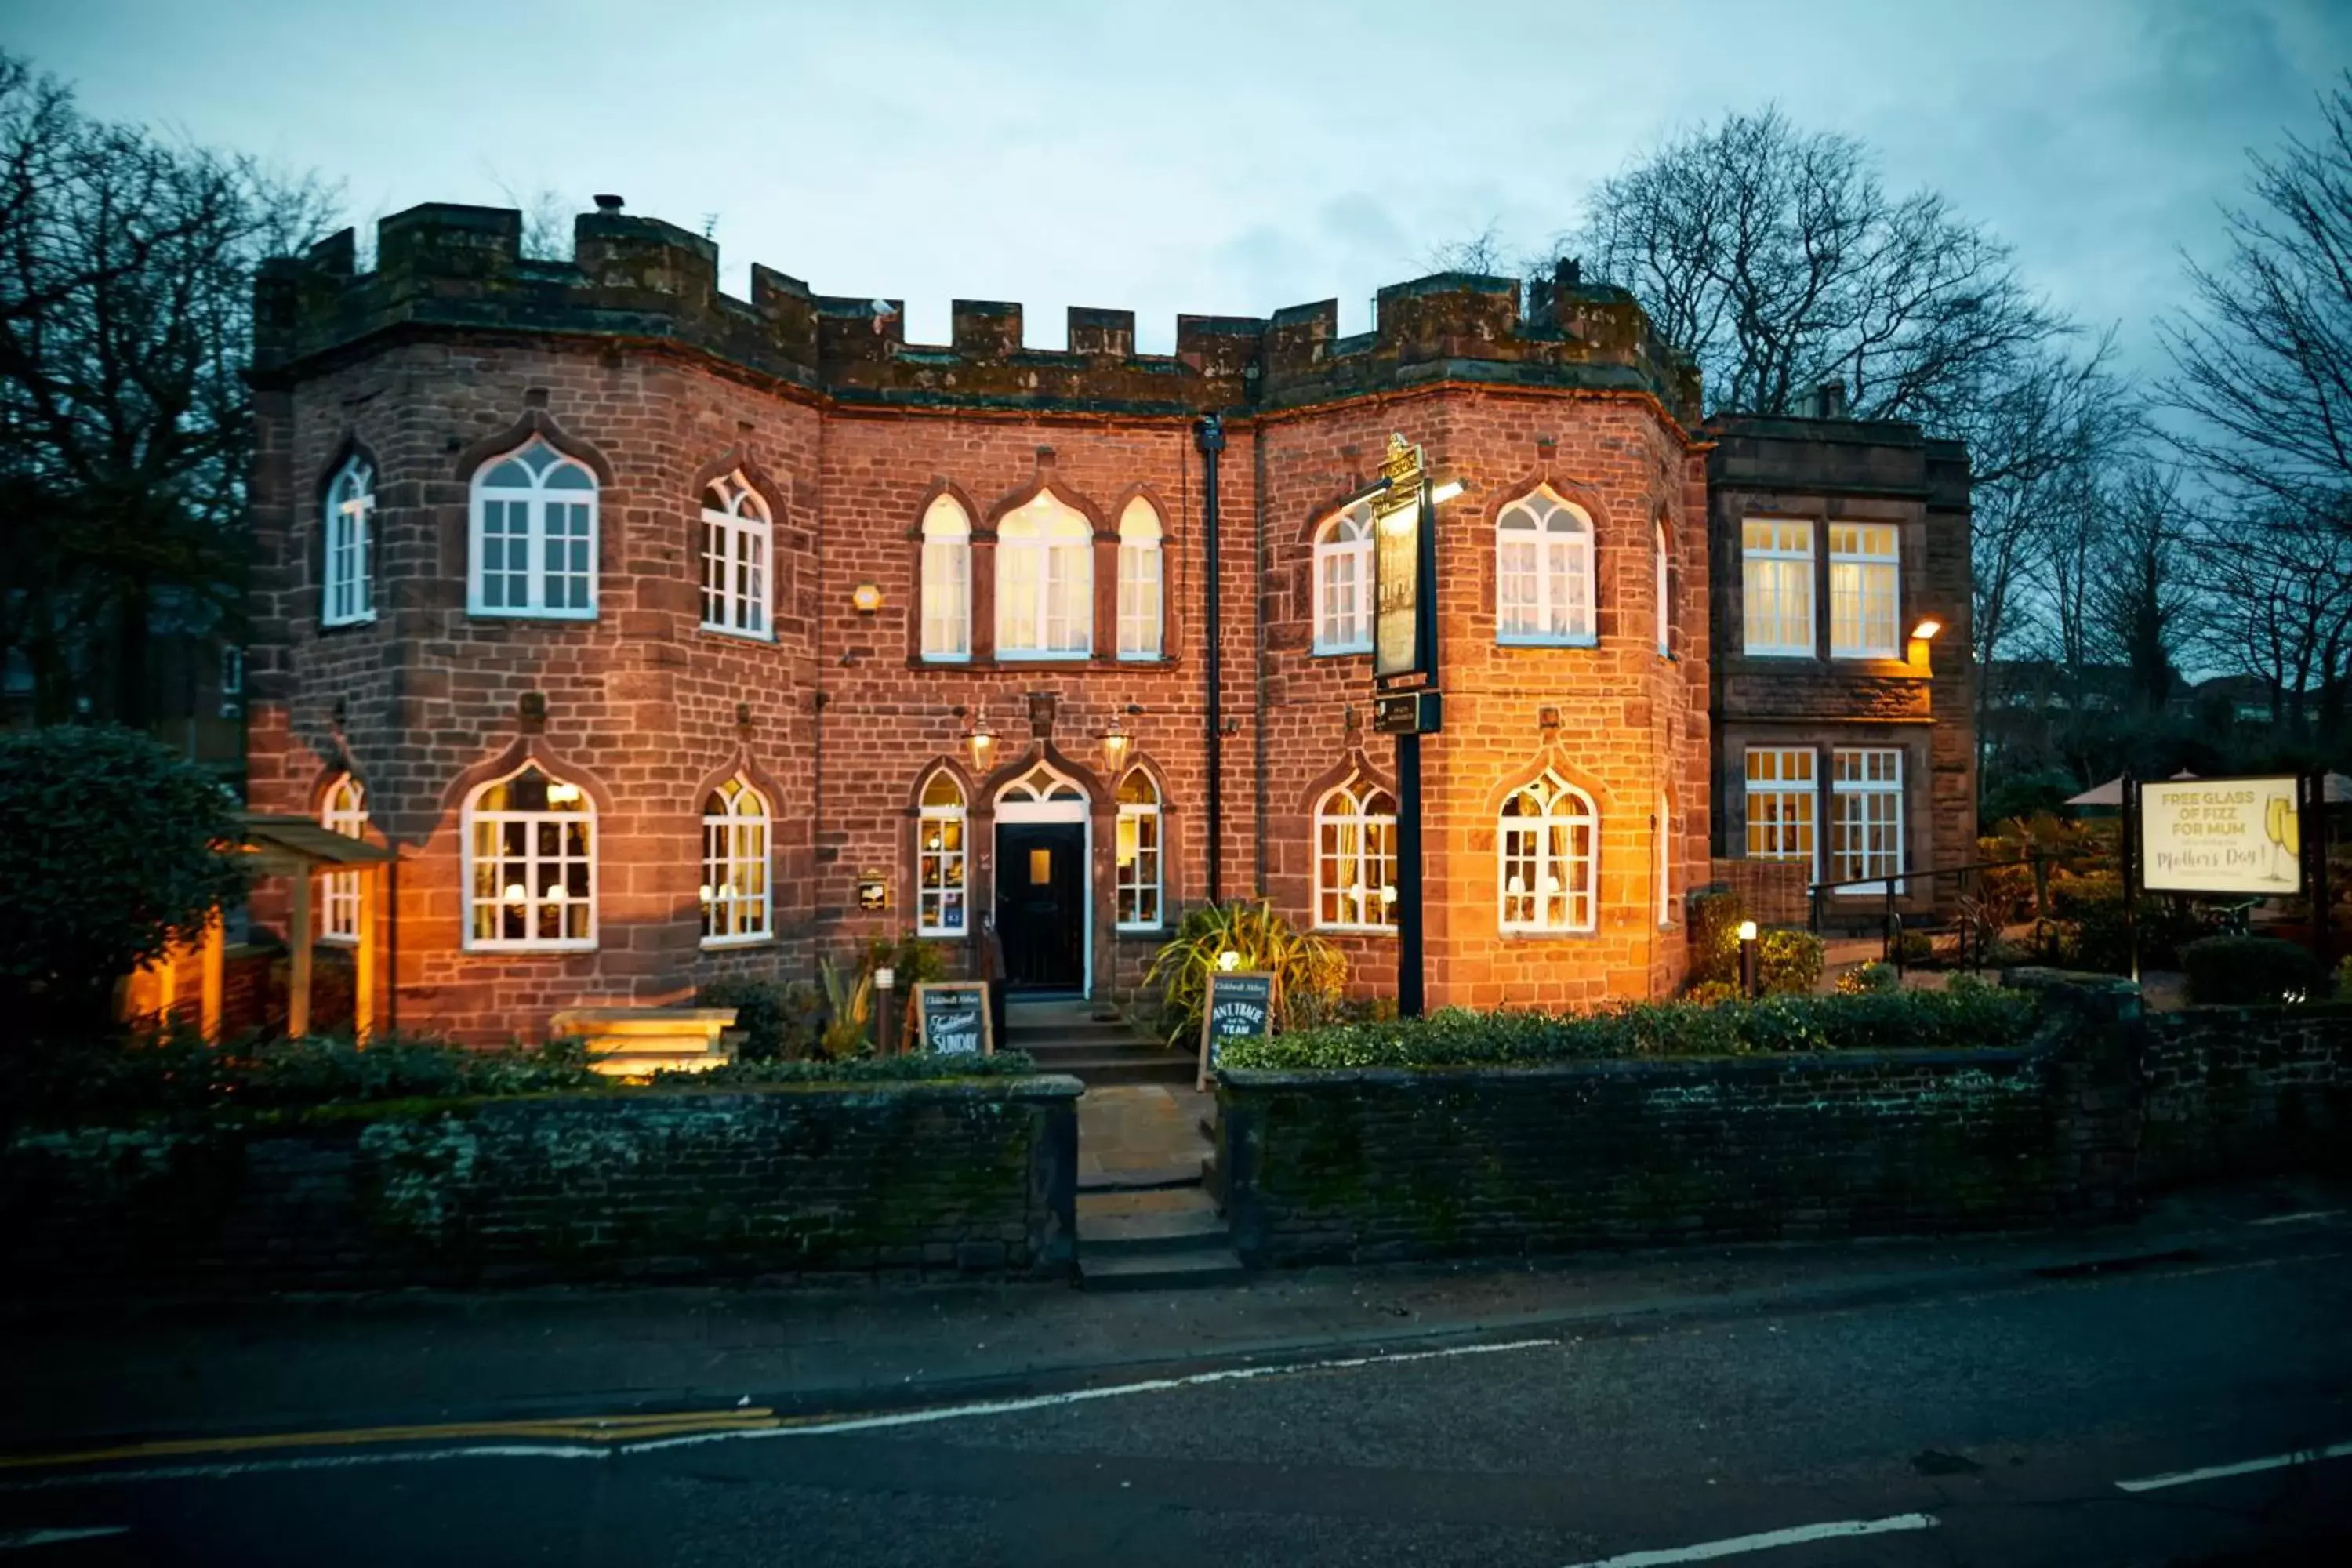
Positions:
{"x": 947, "y": 581}
{"x": 1546, "y": 842}
{"x": 1543, "y": 572}
{"x": 1665, "y": 612}
{"x": 1866, "y": 815}
{"x": 1780, "y": 804}
{"x": 940, "y": 861}
{"x": 1343, "y": 583}
{"x": 1355, "y": 858}
{"x": 534, "y": 536}
{"x": 1865, "y": 575}
{"x": 736, "y": 535}
{"x": 1045, "y": 582}
{"x": 344, "y": 811}
{"x": 734, "y": 894}
{"x": 350, "y": 521}
{"x": 1138, "y": 852}
{"x": 1777, "y": 585}
{"x": 530, "y": 865}
{"x": 1138, "y": 581}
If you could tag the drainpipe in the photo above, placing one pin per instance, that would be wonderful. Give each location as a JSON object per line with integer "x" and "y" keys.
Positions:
{"x": 1209, "y": 435}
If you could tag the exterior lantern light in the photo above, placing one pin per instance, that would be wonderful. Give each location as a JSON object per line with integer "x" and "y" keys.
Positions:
{"x": 1229, "y": 960}
{"x": 1748, "y": 978}
{"x": 1114, "y": 743}
{"x": 980, "y": 737}
{"x": 1923, "y": 632}
{"x": 866, "y": 598}
{"x": 1445, "y": 492}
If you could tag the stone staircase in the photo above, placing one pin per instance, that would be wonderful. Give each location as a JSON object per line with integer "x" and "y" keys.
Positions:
{"x": 1092, "y": 1045}
{"x": 1154, "y": 1239}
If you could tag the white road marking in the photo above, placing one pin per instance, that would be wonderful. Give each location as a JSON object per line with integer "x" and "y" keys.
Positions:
{"x": 1796, "y": 1535}
{"x": 2292, "y": 1218}
{"x": 16, "y": 1541}
{"x": 2243, "y": 1467}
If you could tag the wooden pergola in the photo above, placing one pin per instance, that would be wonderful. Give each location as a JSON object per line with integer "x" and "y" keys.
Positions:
{"x": 299, "y": 849}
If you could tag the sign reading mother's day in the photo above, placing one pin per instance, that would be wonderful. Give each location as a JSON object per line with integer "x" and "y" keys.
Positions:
{"x": 2220, "y": 836}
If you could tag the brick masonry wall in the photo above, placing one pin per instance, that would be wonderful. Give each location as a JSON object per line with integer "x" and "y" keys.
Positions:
{"x": 1774, "y": 891}
{"x": 2245, "y": 1090}
{"x": 906, "y": 1181}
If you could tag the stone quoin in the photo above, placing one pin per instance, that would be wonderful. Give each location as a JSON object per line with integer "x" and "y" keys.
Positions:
{"x": 661, "y": 630}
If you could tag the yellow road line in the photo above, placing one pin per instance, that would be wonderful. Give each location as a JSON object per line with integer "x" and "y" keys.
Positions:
{"x": 577, "y": 1429}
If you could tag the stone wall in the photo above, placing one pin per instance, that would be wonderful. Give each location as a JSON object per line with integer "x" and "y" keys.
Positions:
{"x": 1362, "y": 1166}
{"x": 907, "y": 1180}
{"x": 2231, "y": 1091}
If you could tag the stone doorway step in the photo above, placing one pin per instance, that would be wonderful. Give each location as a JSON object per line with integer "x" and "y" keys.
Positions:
{"x": 1146, "y": 1221}
{"x": 1095, "y": 1046}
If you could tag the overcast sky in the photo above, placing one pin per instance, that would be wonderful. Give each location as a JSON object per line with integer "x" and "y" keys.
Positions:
{"x": 1213, "y": 157}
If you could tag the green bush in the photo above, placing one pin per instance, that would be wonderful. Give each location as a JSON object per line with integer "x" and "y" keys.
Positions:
{"x": 1787, "y": 962}
{"x": 2344, "y": 978}
{"x": 1310, "y": 974}
{"x": 2239, "y": 971}
{"x": 1969, "y": 1014}
{"x": 1714, "y": 919}
{"x": 778, "y": 1018}
{"x": 914, "y": 1067}
{"x": 109, "y": 852}
{"x": 1866, "y": 978}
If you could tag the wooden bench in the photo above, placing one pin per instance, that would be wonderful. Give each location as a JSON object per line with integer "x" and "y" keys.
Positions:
{"x": 637, "y": 1042}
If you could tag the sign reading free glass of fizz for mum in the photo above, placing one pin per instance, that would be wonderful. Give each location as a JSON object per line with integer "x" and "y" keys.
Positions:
{"x": 2220, "y": 836}
{"x": 1240, "y": 1008}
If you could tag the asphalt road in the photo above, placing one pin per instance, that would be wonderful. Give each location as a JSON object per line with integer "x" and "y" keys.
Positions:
{"x": 1995, "y": 1427}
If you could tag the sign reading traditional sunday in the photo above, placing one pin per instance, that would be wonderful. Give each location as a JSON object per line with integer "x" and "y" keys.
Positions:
{"x": 1397, "y": 586}
{"x": 2220, "y": 836}
{"x": 1240, "y": 1006}
{"x": 953, "y": 1014}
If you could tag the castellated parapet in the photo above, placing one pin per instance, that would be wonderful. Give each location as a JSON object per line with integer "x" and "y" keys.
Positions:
{"x": 443, "y": 267}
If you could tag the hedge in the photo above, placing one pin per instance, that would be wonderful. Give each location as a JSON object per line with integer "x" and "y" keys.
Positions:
{"x": 1966, "y": 1016}
{"x": 2251, "y": 971}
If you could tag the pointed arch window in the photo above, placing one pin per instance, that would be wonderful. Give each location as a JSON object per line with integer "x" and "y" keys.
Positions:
{"x": 941, "y": 866}
{"x": 1138, "y": 845}
{"x": 737, "y": 533}
{"x": 1665, "y": 867}
{"x": 1666, "y": 614}
{"x": 1045, "y": 581}
{"x": 1140, "y": 578}
{"x": 1546, "y": 842}
{"x": 947, "y": 581}
{"x": 349, "y": 587}
{"x": 735, "y": 900}
{"x": 1543, "y": 573}
{"x": 1343, "y": 581}
{"x": 534, "y": 536}
{"x": 530, "y": 865}
{"x": 1355, "y": 858}
{"x": 344, "y": 811}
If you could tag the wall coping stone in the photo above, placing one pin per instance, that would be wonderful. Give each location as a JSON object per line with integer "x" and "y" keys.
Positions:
{"x": 1760, "y": 1064}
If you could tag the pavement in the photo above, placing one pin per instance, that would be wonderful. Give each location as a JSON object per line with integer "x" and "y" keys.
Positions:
{"x": 2176, "y": 1390}
{"x": 1141, "y": 1134}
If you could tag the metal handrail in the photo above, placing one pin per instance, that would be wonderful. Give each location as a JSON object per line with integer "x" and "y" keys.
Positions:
{"x": 1891, "y": 928}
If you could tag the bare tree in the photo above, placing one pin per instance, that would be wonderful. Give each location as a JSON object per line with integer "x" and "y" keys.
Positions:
{"x": 1486, "y": 253}
{"x": 546, "y": 219}
{"x": 2263, "y": 361}
{"x": 2279, "y": 593}
{"x": 2141, "y": 594}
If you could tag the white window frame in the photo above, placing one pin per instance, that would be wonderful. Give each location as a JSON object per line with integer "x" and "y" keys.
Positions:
{"x": 1343, "y": 566}
{"x": 942, "y": 859}
{"x": 946, "y": 608}
{"x": 1550, "y": 598}
{"x": 1794, "y": 776}
{"x": 1045, "y": 582}
{"x": 1141, "y": 612}
{"x": 1538, "y": 888}
{"x": 1878, "y": 803}
{"x": 1140, "y": 852}
{"x": 1664, "y": 868}
{"x": 1865, "y": 590}
{"x": 569, "y": 806}
{"x": 343, "y": 810}
{"x": 737, "y": 571}
{"x": 1666, "y": 602}
{"x": 553, "y": 498}
{"x": 347, "y": 587}
{"x": 1354, "y": 844}
{"x": 738, "y": 874}
{"x": 1782, "y": 561}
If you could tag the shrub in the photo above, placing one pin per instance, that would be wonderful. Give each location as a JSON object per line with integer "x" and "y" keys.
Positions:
{"x": 2243, "y": 970}
{"x": 848, "y": 1005}
{"x": 109, "y": 852}
{"x": 2344, "y": 978}
{"x": 1866, "y": 978}
{"x": 913, "y": 1066}
{"x": 1917, "y": 947}
{"x": 1710, "y": 993}
{"x": 1965, "y": 1015}
{"x": 1714, "y": 919}
{"x": 778, "y": 1018}
{"x": 1787, "y": 962}
{"x": 1310, "y": 973}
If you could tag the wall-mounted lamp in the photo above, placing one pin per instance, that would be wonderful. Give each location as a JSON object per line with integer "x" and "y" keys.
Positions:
{"x": 1923, "y": 632}
{"x": 1114, "y": 743}
{"x": 866, "y": 598}
{"x": 1445, "y": 492}
{"x": 980, "y": 738}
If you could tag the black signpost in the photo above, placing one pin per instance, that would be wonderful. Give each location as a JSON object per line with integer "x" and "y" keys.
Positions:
{"x": 1240, "y": 1006}
{"x": 1404, "y": 676}
{"x": 953, "y": 1018}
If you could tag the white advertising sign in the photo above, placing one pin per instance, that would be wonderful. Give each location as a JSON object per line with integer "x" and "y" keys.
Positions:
{"x": 2220, "y": 836}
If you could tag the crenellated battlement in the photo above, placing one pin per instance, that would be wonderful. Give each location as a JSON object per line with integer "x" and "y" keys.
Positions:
{"x": 447, "y": 267}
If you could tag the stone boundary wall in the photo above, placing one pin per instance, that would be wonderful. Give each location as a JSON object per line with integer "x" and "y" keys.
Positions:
{"x": 2237, "y": 1091}
{"x": 1376, "y": 1164}
{"x": 903, "y": 1180}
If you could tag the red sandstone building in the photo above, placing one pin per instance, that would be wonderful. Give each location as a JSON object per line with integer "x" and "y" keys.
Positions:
{"x": 674, "y": 636}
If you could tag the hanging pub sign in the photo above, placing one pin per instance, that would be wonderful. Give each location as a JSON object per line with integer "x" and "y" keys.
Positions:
{"x": 2220, "y": 836}
{"x": 1240, "y": 1006}
{"x": 953, "y": 1018}
{"x": 1397, "y": 588}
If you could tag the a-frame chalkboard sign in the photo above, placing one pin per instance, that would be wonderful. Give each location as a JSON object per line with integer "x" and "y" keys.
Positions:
{"x": 1240, "y": 1006}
